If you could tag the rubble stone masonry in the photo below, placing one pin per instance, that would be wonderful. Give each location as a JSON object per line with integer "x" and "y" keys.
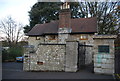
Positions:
{"x": 48, "y": 57}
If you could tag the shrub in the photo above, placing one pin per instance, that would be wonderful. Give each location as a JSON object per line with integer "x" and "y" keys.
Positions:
{"x": 12, "y": 53}
{"x": 15, "y": 52}
{"x": 4, "y": 55}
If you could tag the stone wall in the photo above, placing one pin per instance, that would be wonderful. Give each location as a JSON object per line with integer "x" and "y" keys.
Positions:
{"x": 64, "y": 57}
{"x": 52, "y": 57}
{"x": 104, "y": 62}
{"x": 34, "y": 41}
{"x": 62, "y": 38}
{"x": 48, "y": 57}
{"x": 51, "y": 39}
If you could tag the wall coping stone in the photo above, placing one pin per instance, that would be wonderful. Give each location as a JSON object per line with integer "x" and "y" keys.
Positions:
{"x": 72, "y": 41}
{"x": 51, "y": 44}
{"x": 104, "y": 36}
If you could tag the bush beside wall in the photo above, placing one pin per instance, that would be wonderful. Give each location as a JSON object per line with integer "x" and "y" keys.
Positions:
{"x": 12, "y": 53}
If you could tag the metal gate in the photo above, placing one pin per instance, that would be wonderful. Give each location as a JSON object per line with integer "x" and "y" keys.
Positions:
{"x": 82, "y": 55}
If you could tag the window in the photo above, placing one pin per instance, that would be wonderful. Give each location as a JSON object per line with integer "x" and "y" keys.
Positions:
{"x": 83, "y": 37}
{"x": 37, "y": 38}
{"x": 103, "y": 49}
{"x": 52, "y": 37}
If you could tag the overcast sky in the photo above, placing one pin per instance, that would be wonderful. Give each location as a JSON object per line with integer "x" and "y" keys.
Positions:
{"x": 17, "y": 9}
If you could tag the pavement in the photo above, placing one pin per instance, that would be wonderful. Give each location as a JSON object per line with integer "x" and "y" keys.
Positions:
{"x": 14, "y": 70}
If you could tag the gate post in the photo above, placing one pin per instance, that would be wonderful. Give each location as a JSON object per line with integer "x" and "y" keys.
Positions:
{"x": 71, "y": 58}
{"x": 104, "y": 54}
{"x": 26, "y": 61}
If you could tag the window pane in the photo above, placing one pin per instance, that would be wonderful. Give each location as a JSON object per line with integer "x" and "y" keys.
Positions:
{"x": 103, "y": 49}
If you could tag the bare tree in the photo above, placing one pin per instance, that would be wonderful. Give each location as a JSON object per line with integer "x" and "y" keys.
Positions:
{"x": 11, "y": 30}
{"x": 106, "y": 13}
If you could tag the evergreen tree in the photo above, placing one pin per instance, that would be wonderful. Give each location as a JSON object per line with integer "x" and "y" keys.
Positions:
{"x": 107, "y": 14}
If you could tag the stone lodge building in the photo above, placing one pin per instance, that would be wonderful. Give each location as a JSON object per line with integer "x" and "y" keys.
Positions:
{"x": 67, "y": 44}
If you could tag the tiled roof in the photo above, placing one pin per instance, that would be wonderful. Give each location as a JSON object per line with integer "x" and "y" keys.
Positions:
{"x": 78, "y": 25}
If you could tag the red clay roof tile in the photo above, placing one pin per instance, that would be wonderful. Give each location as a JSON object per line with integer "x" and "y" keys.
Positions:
{"x": 78, "y": 25}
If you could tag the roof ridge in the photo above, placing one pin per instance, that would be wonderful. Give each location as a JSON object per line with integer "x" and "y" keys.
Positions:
{"x": 47, "y": 23}
{"x": 84, "y": 18}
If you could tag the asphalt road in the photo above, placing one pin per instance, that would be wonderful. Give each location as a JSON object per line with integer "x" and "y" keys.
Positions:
{"x": 13, "y": 70}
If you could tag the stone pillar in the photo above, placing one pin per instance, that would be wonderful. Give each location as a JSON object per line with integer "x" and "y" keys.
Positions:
{"x": 104, "y": 54}
{"x": 71, "y": 56}
{"x": 26, "y": 62}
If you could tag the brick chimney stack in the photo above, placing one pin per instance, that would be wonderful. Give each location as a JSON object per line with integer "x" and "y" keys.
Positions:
{"x": 65, "y": 16}
{"x": 64, "y": 23}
